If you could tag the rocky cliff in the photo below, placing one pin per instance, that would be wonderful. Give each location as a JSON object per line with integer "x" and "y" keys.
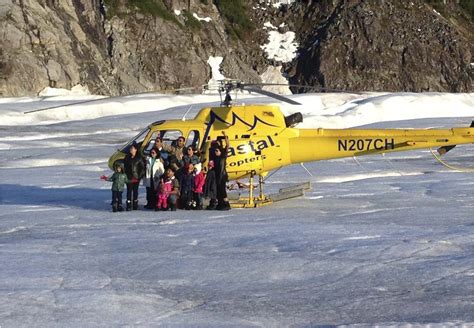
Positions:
{"x": 126, "y": 46}
{"x": 381, "y": 45}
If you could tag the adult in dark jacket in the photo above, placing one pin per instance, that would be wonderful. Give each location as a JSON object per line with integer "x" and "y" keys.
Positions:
{"x": 135, "y": 170}
{"x": 220, "y": 162}
{"x": 214, "y": 144}
{"x": 210, "y": 187}
{"x": 186, "y": 183}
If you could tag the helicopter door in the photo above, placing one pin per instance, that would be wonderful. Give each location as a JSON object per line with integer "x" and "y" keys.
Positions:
{"x": 243, "y": 156}
{"x": 269, "y": 149}
{"x": 256, "y": 153}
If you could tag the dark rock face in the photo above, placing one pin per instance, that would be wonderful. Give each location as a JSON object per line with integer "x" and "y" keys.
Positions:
{"x": 380, "y": 45}
{"x": 352, "y": 45}
{"x": 64, "y": 43}
{"x": 51, "y": 43}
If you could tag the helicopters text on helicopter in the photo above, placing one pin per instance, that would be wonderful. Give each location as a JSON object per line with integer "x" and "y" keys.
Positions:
{"x": 262, "y": 139}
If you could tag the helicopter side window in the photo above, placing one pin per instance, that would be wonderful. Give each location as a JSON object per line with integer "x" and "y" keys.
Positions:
{"x": 170, "y": 137}
{"x": 193, "y": 139}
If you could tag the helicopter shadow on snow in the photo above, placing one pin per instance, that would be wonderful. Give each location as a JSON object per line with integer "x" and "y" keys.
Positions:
{"x": 85, "y": 198}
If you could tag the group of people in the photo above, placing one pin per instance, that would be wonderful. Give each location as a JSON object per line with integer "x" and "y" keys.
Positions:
{"x": 174, "y": 177}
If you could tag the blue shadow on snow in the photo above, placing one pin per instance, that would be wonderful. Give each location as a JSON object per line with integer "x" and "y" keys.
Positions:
{"x": 86, "y": 198}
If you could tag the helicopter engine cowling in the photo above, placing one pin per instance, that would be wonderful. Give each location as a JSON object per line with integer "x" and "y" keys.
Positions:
{"x": 293, "y": 119}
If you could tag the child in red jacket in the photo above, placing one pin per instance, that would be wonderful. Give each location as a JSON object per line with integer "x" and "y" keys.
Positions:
{"x": 199, "y": 180}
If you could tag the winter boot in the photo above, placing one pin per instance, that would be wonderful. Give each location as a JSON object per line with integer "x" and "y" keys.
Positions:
{"x": 129, "y": 205}
{"x": 189, "y": 205}
{"x": 224, "y": 206}
{"x": 135, "y": 205}
{"x": 120, "y": 208}
{"x": 114, "y": 208}
{"x": 212, "y": 205}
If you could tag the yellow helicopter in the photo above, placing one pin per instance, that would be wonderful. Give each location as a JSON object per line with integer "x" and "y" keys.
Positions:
{"x": 262, "y": 139}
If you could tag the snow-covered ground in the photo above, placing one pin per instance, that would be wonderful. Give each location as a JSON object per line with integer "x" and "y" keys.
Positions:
{"x": 383, "y": 240}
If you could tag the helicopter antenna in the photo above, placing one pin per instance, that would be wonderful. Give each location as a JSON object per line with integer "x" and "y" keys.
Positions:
{"x": 184, "y": 116}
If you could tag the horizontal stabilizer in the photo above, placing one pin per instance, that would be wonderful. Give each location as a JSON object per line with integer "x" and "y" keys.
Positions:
{"x": 443, "y": 150}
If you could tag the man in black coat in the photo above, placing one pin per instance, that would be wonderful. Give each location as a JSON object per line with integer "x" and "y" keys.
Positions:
{"x": 210, "y": 187}
{"x": 220, "y": 162}
{"x": 135, "y": 170}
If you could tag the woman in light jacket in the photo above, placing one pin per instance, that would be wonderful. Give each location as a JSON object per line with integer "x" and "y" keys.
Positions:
{"x": 154, "y": 169}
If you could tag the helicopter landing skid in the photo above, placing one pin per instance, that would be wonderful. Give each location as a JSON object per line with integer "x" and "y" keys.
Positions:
{"x": 246, "y": 202}
{"x": 250, "y": 201}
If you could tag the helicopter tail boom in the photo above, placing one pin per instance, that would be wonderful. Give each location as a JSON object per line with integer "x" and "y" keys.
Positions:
{"x": 321, "y": 144}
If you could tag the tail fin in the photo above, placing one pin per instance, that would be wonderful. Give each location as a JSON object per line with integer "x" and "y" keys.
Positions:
{"x": 443, "y": 150}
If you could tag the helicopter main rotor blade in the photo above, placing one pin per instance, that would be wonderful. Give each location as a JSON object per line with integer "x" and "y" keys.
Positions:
{"x": 303, "y": 86}
{"x": 271, "y": 94}
{"x": 65, "y": 105}
{"x": 108, "y": 98}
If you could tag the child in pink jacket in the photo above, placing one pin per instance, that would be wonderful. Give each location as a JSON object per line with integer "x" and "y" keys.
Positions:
{"x": 163, "y": 193}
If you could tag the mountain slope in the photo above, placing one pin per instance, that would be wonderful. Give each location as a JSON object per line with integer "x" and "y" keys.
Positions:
{"x": 126, "y": 46}
{"x": 372, "y": 46}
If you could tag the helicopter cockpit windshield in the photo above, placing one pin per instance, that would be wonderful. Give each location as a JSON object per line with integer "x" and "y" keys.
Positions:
{"x": 138, "y": 139}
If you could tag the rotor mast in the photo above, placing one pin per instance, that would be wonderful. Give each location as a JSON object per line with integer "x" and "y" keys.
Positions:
{"x": 227, "y": 86}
